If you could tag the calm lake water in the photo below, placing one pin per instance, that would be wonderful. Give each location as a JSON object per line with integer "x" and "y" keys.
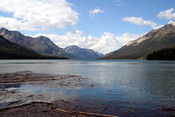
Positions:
{"x": 131, "y": 83}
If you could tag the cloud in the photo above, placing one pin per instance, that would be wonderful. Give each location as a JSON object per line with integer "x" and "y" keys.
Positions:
{"x": 37, "y": 14}
{"x": 95, "y": 11}
{"x": 168, "y": 14}
{"x": 106, "y": 43}
{"x": 14, "y": 24}
{"x": 119, "y": 2}
{"x": 139, "y": 21}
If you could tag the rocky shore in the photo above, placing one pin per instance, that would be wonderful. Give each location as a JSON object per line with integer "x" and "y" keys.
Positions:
{"x": 28, "y": 94}
{"x": 14, "y": 103}
{"x": 47, "y": 80}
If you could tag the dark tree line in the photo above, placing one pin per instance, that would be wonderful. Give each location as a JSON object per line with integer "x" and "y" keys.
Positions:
{"x": 164, "y": 54}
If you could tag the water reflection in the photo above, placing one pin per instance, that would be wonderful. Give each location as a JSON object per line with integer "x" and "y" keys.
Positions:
{"x": 7, "y": 86}
{"x": 29, "y": 93}
{"x": 131, "y": 81}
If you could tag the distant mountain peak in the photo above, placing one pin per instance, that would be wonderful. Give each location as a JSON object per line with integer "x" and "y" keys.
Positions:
{"x": 82, "y": 53}
{"x": 7, "y": 30}
{"x": 163, "y": 29}
{"x": 73, "y": 46}
{"x": 3, "y": 28}
{"x": 171, "y": 22}
{"x": 42, "y": 45}
{"x": 4, "y": 31}
{"x": 42, "y": 37}
{"x": 154, "y": 40}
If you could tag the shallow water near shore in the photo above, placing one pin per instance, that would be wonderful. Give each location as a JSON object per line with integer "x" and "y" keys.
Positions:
{"x": 132, "y": 84}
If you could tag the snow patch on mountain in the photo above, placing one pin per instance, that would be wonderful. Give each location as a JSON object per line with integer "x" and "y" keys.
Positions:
{"x": 171, "y": 22}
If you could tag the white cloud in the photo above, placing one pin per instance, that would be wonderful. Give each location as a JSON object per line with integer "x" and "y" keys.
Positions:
{"x": 95, "y": 11}
{"x": 37, "y": 14}
{"x": 127, "y": 37}
{"x": 106, "y": 43}
{"x": 14, "y": 24}
{"x": 139, "y": 21}
{"x": 168, "y": 14}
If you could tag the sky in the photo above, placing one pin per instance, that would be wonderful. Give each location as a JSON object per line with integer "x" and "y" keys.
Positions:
{"x": 101, "y": 25}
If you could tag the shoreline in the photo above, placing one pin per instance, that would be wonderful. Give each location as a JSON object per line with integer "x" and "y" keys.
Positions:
{"x": 18, "y": 102}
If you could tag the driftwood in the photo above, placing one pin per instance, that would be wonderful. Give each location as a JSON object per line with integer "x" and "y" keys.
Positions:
{"x": 85, "y": 113}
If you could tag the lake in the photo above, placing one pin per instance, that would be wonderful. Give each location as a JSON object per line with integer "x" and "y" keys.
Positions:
{"x": 123, "y": 83}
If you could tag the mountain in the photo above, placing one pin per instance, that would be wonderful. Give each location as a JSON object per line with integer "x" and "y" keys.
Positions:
{"x": 154, "y": 40}
{"x": 10, "y": 50}
{"x": 82, "y": 53}
{"x": 42, "y": 45}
